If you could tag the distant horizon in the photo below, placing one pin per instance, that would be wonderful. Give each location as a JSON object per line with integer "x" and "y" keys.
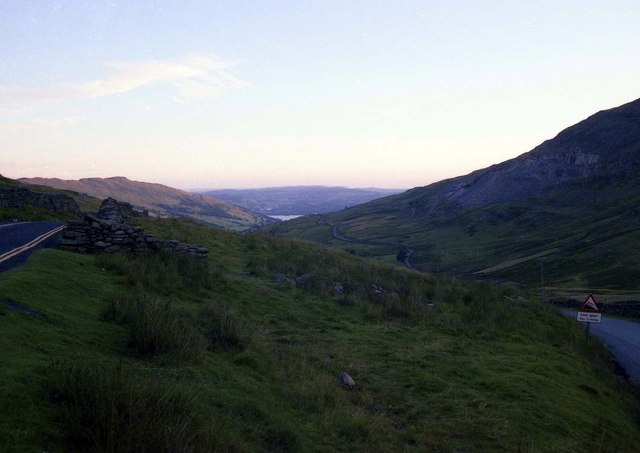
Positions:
{"x": 197, "y": 190}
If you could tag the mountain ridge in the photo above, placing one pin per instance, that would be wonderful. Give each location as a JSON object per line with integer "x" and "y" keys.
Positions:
{"x": 560, "y": 159}
{"x": 572, "y": 199}
{"x": 160, "y": 200}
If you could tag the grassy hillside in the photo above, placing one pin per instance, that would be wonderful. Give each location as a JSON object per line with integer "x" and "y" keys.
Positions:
{"x": 109, "y": 353}
{"x": 161, "y": 200}
{"x": 585, "y": 232}
{"x": 571, "y": 203}
{"x": 85, "y": 202}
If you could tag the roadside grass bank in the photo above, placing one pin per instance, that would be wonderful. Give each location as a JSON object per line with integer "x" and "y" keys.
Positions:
{"x": 243, "y": 355}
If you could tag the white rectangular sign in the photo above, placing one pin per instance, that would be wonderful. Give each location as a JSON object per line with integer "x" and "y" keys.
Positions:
{"x": 585, "y": 316}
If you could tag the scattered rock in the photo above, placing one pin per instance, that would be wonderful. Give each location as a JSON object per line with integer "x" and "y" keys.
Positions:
{"x": 279, "y": 278}
{"x": 346, "y": 382}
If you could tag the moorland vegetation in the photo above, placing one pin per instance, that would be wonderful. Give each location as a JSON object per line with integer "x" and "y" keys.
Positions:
{"x": 161, "y": 353}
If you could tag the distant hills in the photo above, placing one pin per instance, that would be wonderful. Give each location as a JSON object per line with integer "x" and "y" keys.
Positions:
{"x": 160, "y": 200}
{"x": 573, "y": 201}
{"x": 298, "y": 200}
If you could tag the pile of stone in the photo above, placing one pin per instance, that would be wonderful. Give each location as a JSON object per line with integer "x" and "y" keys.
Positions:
{"x": 107, "y": 232}
{"x": 116, "y": 211}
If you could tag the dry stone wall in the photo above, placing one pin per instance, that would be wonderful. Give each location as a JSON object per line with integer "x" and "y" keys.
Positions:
{"x": 18, "y": 197}
{"x": 107, "y": 232}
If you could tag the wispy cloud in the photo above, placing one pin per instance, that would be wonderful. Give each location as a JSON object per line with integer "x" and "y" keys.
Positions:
{"x": 194, "y": 77}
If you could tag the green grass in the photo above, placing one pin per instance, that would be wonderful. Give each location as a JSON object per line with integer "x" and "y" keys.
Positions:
{"x": 481, "y": 370}
{"x": 109, "y": 408}
{"x": 584, "y": 232}
{"x": 156, "y": 326}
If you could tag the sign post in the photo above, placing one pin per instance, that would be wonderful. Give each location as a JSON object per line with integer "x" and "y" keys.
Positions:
{"x": 589, "y": 312}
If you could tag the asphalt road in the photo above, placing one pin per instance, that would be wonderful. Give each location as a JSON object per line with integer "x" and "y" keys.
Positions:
{"x": 335, "y": 233}
{"x": 19, "y": 239}
{"x": 622, "y": 338}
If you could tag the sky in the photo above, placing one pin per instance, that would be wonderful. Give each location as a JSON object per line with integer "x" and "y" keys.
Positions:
{"x": 234, "y": 94}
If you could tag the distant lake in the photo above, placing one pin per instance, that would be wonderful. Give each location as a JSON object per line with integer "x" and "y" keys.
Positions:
{"x": 285, "y": 217}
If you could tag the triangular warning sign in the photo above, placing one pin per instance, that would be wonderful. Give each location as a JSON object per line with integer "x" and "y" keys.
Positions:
{"x": 590, "y": 305}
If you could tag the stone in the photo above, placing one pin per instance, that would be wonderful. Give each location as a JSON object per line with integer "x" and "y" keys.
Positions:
{"x": 16, "y": 197}
{"x": 116, "y": 211}
{"x": 96, "y": 234}
{"x": 346, "y": 382}
{"x": 279, "y": 278}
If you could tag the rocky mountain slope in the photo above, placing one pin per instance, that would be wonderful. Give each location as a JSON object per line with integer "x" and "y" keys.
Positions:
{"x": 298, "y": 200}
{"x": 573, "y": 201}
{"x": 607, "y": 143}
{"x": 160, "y": 200}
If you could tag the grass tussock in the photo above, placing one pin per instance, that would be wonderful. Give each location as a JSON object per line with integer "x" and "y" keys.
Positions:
{"x": 163, "y": 272}
{"x": 223, "y": 329}
{"x": 156, "y": 326}
{"x": 108, "y": 409}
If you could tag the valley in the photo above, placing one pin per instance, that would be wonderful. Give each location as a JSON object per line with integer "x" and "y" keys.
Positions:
{"x": 452, "y": 352}
{"x": 298, "y": 200}
{"x": 297, "y": 227}
{"x": 571, "y": 202}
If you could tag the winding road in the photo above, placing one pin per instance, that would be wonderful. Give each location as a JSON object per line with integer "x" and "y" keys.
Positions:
{"x": 622, "y": 338}
{"x": 19, "y": 239}
{"x": 335, "y": 233}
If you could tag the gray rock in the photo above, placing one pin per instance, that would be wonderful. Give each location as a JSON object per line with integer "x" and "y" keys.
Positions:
{"x": 346, "y": 382}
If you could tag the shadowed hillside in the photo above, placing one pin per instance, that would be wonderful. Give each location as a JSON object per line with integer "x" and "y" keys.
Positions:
{"x": 573, "y": 201}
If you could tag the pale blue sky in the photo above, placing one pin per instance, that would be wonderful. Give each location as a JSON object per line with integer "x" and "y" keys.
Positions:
{"x": 253, "y": 94}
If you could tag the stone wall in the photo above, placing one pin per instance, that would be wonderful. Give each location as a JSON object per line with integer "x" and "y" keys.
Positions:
{"x": 19, "y": 197}
{"x": 106, "y": 232}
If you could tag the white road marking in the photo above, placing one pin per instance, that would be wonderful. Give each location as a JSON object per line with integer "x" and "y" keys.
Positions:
{"x": 29, "y": 245}
{"x": 12, "y": 224}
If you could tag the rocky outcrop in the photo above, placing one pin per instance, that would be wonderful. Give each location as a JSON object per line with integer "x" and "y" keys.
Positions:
{"x": 19, "y": 197}
{"x": 106, "y": 232}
